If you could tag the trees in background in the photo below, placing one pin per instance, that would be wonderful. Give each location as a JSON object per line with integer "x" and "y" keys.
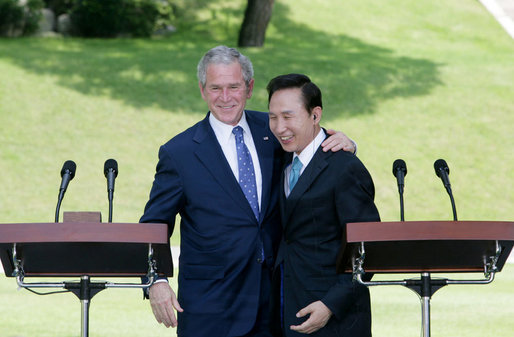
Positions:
{"x": 112, "y": 18}
{"x": 19, "y": 18}
{"x": 255, "y": 23}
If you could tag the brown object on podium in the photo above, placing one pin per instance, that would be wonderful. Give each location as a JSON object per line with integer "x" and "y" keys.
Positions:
{"x": 426, "y": 246}
{"x": 81, "y": 245}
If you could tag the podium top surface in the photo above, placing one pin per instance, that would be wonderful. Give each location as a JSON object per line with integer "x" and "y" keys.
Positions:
{"x": 429, "y": 230}
{"x": 84, "y": 232}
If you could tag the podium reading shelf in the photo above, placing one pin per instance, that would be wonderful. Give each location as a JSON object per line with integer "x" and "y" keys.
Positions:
{"x": 83, "y": 247}
{"x": 426, "y": 247}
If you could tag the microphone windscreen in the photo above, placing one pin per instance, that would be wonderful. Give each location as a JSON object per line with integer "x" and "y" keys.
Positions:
{"x": 399, "y": 164}
{"x": 111, "y": 164}
{"x": 69, "y": 166}
{"x": 441, "y": 164}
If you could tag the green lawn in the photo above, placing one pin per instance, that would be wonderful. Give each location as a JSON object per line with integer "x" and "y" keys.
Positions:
{"x": 456, "y": 310}
{"x": 415, "y": 80}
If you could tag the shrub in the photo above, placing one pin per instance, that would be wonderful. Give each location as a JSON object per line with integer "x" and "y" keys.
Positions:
{"x": 32, "y": 16}
{"x": 140, "y": 17}
{"x": 19, "y": 19}
{"x": 97, "y": 18}
{"x": 110, "y": 18}
{"x": 59, "y": 6}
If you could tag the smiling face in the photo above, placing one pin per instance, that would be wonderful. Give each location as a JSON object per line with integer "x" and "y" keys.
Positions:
{"x": 226, "y": 92}
{"x": 290, "y": 122}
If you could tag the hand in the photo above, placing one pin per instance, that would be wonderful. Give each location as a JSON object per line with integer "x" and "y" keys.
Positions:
{"x": 338, "y": 141}
{"x": 319, "y": 316}
{"x": 163, "y": 300}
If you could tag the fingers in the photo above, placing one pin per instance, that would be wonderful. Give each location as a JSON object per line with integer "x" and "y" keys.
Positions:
{"x": 330, "y": 144}
{"x": 337, "y": 141}
{"x": 163, "y": 300}
{"x": 319, "y": 316}
{"x": 305, "y": 311}
{"x": 175, "y": 303}
{"x": 307, "y": 326}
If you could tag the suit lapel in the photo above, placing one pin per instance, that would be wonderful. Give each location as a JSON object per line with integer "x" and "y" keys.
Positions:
{"x": 283, "y": 200}
{"x": 317, "y": 164}
{"x": 210, "y": 154}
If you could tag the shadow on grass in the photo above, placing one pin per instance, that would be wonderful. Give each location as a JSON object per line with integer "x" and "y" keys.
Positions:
{"x": 354, "y": 76}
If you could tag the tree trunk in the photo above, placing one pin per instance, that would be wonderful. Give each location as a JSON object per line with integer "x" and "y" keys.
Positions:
{"x": 253, "y": 29}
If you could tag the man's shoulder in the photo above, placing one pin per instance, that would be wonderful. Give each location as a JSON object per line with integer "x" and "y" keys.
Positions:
{"x": 342, "y": 159}
{"x": 258, "y": 115}
{"x": 185, "y": 136}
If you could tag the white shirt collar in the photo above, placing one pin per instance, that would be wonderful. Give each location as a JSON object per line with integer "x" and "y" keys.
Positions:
{"x": 308, "y": 152}
{"x": 223, "y": 131}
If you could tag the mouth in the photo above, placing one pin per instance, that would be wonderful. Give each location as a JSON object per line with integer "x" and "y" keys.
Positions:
{"x": 286, "y": 139}
{"x": 226, "y": 107}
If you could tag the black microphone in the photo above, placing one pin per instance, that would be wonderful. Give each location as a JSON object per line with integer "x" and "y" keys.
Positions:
{"x": 443, "y": 171}
{"x": 400, "y": 171}
{"x": 110, "y": 172}
{"x": 67, "y": 174}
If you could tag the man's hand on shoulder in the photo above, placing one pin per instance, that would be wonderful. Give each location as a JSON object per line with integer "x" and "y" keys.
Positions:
{"x": 163, "y": 300}
{"x": 337, "y": 140}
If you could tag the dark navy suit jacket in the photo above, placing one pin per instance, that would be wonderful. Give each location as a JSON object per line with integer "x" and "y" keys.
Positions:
{"x": 221, "y": 241}
{"x": 334, "y": 189}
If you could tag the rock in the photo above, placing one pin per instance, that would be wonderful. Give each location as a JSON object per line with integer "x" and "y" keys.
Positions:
{"x": 47, "y": 21}
{"x": 64, "y": 24}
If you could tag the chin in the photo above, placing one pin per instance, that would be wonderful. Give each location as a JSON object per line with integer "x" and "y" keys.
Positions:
{"x": 289, "y": 148}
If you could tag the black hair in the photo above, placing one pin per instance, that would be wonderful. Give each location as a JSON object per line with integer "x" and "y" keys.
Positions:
{"x": 311, "y": 94}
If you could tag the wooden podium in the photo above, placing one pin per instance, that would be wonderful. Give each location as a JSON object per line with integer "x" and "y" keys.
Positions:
{"x": 426, "y": 247}
{"x": 83, "y": 247}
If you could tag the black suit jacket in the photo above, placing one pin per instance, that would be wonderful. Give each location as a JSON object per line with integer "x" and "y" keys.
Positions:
{"x": 334, "y": 189}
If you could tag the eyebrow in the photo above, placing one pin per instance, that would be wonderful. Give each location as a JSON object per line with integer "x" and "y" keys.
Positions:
{"x": 229, "y": 84}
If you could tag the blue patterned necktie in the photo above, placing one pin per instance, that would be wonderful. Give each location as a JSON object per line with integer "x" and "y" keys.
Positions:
{"x": 295, "y": 173}
{"x": 246, "y": 171}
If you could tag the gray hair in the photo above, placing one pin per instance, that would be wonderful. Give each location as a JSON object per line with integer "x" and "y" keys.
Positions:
{"x": 224, "y": 55}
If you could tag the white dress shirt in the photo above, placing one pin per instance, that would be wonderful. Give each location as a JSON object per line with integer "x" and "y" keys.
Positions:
{"x": 227, "y": 141}
{"x": 305, "y": 157}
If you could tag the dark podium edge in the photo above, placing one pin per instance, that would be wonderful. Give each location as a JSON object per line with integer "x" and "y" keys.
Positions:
{"x": 78, "y": 247}
{"x": 425, "y": 246}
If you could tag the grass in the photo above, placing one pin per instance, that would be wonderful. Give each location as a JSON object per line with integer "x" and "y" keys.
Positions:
{"x": 456, "y": 310}
{"x": 414, "y": 80}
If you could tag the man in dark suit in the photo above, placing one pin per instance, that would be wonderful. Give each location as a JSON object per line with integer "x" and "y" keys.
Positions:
{"x": 320, "y": 193}
{"x": 220, "y": 175}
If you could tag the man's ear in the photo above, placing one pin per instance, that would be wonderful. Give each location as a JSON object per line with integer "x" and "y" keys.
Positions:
{"x": 249, "y": 89}
{"x": 201, "y": 90}
{"x": 316, "y": 114}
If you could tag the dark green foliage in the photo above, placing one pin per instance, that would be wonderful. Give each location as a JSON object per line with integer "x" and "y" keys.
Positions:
{"x": 141, "y": 17}
{"x": 111, "y": 18}
{"x": 11, "y": 16}
{"x": 32, "y": 16}
{"x": 59, "y": 6}
{"x": 97, "y": 18}
{"x": 15, "y": 17}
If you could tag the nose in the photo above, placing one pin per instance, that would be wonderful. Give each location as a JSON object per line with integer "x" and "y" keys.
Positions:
{"x": 278, "y": 126}
{"x": 225, "y": 94}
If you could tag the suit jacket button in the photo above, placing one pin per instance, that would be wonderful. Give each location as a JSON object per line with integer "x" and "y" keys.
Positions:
{"x": 259, "y": 260}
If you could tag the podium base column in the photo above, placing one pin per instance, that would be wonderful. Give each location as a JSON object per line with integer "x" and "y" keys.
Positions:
{"x": 84, "y": 329}
{"x": 425, "y": 315}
